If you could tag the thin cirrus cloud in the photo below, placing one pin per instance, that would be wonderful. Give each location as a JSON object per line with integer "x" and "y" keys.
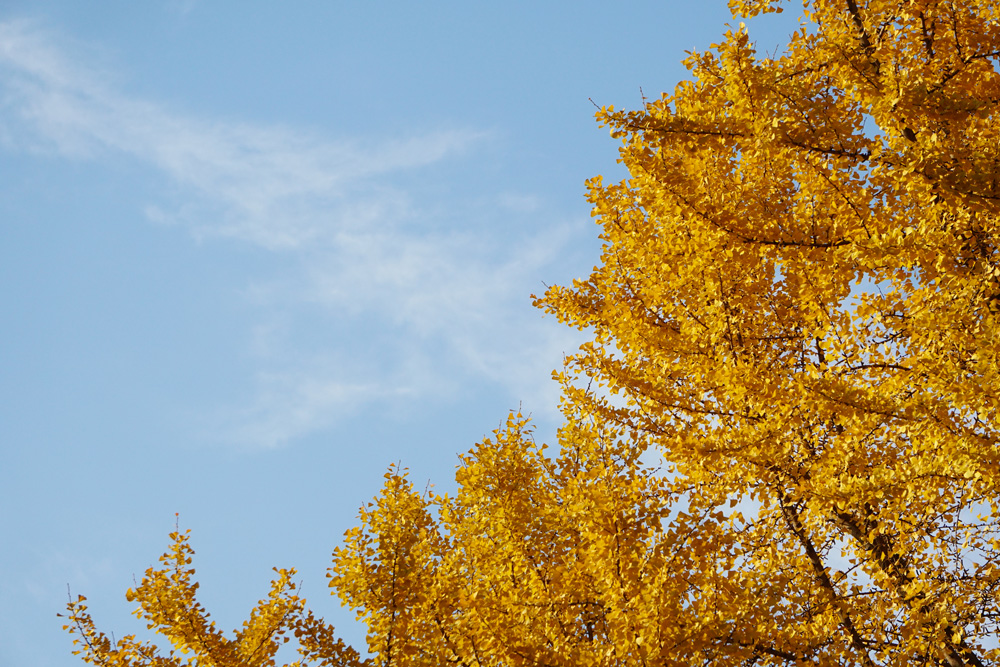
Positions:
{"x": 274, "y": 185}
{"x": 440, "y": 314}
{"x": 366, "y": 247}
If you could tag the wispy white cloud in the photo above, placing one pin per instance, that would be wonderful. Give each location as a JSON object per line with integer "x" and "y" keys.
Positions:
{"x": 295, "y": 403}
{"x": 366, "y": 247}
{"x": 439, "y": 312}
{"x": 275, "y": 186}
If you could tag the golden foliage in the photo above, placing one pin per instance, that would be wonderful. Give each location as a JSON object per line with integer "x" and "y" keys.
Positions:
{"x": 167, "y": 604}
{"x": 781, "y": 445}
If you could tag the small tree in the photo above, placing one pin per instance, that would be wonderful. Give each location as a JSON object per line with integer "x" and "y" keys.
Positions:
{"x": 781, "y": 444}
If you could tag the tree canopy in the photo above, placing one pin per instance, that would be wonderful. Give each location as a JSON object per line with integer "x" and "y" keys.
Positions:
{"x": 780, "y": 444}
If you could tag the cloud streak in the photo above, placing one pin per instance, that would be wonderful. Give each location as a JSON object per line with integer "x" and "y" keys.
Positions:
{"x": 272, "y": 183}
{"x": 453, "y": 302}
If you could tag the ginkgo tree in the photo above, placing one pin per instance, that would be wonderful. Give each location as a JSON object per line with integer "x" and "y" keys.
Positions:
{"x": 781, "y": 443}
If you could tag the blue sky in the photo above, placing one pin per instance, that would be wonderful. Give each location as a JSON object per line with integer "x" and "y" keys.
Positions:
{"x": 254, "y": 253}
